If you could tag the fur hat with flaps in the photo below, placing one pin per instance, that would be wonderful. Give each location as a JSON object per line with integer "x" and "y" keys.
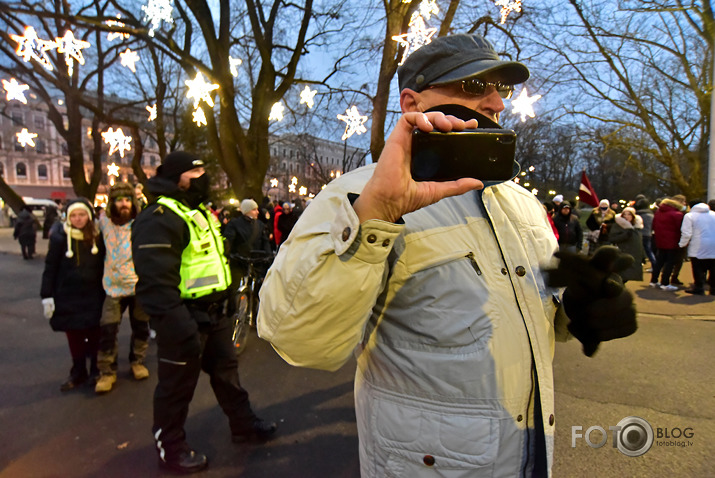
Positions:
{"x": 78, "y": 234}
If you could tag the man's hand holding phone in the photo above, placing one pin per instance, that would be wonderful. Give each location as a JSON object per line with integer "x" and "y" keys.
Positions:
{"x": 391, "y": 192}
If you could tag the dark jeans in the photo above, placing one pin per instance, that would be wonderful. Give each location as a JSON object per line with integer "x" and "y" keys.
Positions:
{"x": 27, "y": 246}
{"x": 181, "y": 360}
{"x": 701, "y": 268}
{"x": 647, "y": 240}
{"x": 665, "y": 261}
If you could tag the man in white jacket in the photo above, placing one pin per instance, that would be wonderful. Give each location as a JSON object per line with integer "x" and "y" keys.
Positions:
{"x": 437, "y": 287}
{"x": 698, "y": 233}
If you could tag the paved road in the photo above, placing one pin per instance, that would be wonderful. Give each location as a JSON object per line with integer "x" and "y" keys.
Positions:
{"x": 663, "y": 373}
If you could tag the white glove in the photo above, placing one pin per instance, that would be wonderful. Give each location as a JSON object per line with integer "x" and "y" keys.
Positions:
{"x": 48, "y": 306}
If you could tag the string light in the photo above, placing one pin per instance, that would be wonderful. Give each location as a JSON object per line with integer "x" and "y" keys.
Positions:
{"x": 117, "y": 141}
{"x": 115, "y": 23}
{"x": 417, "y": 36}
{"x": 306, "y": 96}
{"x": 156, "y": 12}
{"x": 15, "y": 91}
{"x": 30, "y": 47}
{"x": 507, "y": 6}
{"x": 152, "y": 112}
{"x": 199, "y": 117}
{"x": 71, "y": 47}
{"x": 200, "y": 90}
{"x": 523, "y": 104}
{"x": 354, "y": 122}
{"x": 233, "y": 64}
{"x": 24, "y": 137}
{"x": 129, "y": 59}
{"x": 276, "y": 113}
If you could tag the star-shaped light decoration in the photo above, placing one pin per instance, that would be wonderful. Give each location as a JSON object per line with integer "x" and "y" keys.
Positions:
{"x": 428, "y": 8}
{"x": 113, "y": 170}
{"x": 523, "y": 104}
{"x": 302, "y": 190}
{"x": 355, "y": 122}
{"x": 291, "y": 188}
{"x": 200, "y": 90}
{"x": 30, "y": 47}
{"x": 199, "y": 117}
{"x": 274, "y": 183}
{"x": 24, "y": 137}
{"x": 129, "y": 58}
{"x": 233, "y": 64}
{"x": 276, "y": 113}
{"x": 117, "y": 141}
{"x": 306, "y": 96}
{"x": 152, "y": 112}
{"x": 294, "y": 180}
{"x": 417, "y": 36}
{"x": 156, "y": 12}
{"x": 15, "y": 91}
{"x": 507, "y": 6}
{"x": 71, "y": 47}
{"x": 116, "y": 23}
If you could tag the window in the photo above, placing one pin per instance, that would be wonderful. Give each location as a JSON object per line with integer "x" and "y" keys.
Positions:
{"x": 65, "y": 172}
{"x": 21, "y": 170}
{"x": 40, "y": 146}
{"x": 39, "y": 122}
{"x": 17, "y": 118}
{"x": 42, "y": 171}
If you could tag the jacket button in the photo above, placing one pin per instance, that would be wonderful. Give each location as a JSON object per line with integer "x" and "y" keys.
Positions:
{"x": 551, "y": 419}
{"x": 371, "y": 238}
{"x": 385, "y": 243}
{"x": 520, "y": 271}
{"x": 346, "y": 234}
{"x": 504, "y": 271}
{"x": 519, "y": 418}
{"x": 428, "y": 460}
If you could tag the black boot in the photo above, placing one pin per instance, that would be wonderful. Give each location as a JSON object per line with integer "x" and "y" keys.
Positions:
{"x": 78, "y": 375}
{"x": 260, "y": 431}
{"x": 93, "y": 371}
{"x": 183, "y": 459}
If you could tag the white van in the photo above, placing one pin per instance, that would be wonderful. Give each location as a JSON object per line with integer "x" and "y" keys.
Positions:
{"x": 38, "y": 207}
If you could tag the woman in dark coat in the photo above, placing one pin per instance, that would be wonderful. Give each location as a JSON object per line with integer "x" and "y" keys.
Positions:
{"x": 625, "y": 234}
{"x": 25, "y": 232}
{"x": 72, "y": 292}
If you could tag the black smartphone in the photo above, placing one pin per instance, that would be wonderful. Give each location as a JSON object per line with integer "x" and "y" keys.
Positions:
{"x": 484, "y": 154}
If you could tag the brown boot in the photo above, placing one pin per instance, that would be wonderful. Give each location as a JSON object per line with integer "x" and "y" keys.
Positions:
{"x": 140, "y": 371}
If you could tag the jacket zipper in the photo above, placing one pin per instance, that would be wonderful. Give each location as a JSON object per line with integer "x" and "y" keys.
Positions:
{"x": 471, "y": 258}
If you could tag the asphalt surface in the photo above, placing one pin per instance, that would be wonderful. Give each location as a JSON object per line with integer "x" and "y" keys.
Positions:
{"x": 663, "y": 373}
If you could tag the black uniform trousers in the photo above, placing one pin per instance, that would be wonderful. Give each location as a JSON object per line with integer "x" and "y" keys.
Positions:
{"x": 181, "y": 360}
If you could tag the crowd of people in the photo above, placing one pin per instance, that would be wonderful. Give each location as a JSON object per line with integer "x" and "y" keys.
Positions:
{"x": 450, "y": 294}
{"x": 663, "y": 235}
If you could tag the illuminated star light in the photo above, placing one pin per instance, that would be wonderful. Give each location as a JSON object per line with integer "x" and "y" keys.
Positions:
{"x": 24, "y": 137}
{"x": 355, "y": 122}
{"x": 129, "y": 59}
{"x": 306, "y": 96}
{"x": 291, "y": 188}
{"x": 156, "y": 12}
{"x": 507, "y": 6}
{"x": 418, "y": 36}
{"x": 115, "y": 23}
{"x": 113, "y": 170}
{"x": 152, "y": 112}
{"x": 15, "y": 90}
{"x": 71, "y": 47}
{"x": 302, "y": 190}
{"x": 523, "y": 104}
{"x": 276, "y": 112}
{"x": 199, "y": 117}
{"x": 274, "y": 183}
{"x": 428, "y": 8}
{"x": 200, "y": 90}
{"x": 30, "y": 47}
{"x": 117, "y": 141}
{"x": 233, "y": 64}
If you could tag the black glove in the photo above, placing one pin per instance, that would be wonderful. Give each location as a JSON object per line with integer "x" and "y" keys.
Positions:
{"x": 599, "y": 306}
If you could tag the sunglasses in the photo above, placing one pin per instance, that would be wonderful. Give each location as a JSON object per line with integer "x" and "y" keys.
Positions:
{"x": 477, "y": 87}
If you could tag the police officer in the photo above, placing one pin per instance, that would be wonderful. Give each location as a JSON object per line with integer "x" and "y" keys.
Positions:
{"x": 183, "y": 277}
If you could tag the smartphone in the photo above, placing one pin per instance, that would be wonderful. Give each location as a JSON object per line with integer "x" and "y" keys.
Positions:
{"x": 484, "y": 154}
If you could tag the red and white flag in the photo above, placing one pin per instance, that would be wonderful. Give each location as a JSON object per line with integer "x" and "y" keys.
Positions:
{"x": 586, "y": 194}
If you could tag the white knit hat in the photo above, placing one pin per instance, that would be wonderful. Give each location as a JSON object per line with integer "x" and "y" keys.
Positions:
{"x": 84, "y": 204}
{"x": 557, "y": 199}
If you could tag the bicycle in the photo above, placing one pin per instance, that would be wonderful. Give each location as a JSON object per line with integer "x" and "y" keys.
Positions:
{"x": 246, "y": 297}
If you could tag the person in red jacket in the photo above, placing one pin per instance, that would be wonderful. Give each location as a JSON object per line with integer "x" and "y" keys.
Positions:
{"x": 666, "y": 228}
{"x": 277, "y": 211}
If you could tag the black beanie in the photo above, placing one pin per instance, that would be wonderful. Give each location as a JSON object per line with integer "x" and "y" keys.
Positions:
{"x": 176, "y": 163}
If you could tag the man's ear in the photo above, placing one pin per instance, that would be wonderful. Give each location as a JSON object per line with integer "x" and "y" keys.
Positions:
{"x": 409, "y": 101}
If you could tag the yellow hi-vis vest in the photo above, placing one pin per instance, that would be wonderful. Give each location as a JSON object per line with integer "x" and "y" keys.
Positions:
{"x": 204, "y": 268}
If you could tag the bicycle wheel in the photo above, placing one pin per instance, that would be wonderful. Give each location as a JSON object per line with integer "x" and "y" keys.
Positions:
{"x": 241, "y": 325}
